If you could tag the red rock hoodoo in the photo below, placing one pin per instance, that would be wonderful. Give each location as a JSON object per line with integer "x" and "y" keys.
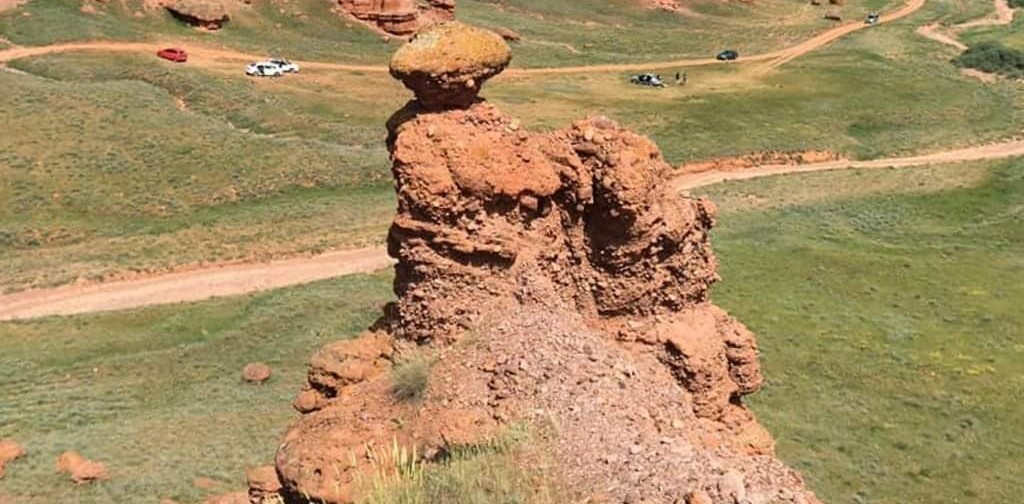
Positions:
{"x": 400, "y": 17}
{"x": 576, "y": 286}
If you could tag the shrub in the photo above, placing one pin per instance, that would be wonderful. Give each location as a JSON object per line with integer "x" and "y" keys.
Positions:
{"x": 1015, "y": 4}
{"x": 509, "y": 469}
{"x": 992, "y": 57}
{"x": 410, "y": 377}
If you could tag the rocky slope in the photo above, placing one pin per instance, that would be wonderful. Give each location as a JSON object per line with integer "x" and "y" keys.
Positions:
{"x": 553, "y": 279}
{"x": 399, "y": 17}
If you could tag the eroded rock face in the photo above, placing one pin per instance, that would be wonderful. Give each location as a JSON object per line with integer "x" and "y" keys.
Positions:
{"x": 555, "y": 279}
{"x": 209, "y": 14}
{"x": 400, "y": 17}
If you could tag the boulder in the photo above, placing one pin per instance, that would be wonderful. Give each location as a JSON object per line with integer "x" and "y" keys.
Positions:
{"x": 209, "y": 14}
{"x": 446, "y": 64}
{"x": 256, "y": 372}
{"x": 9, "y": 451}
{"x": 80, "y": 469}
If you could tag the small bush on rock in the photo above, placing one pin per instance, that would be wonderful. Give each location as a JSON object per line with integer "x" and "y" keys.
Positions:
{"x": 410, "y": 378}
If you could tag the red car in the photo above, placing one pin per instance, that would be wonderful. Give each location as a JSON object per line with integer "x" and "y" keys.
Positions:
{"x": 173, "y": 54}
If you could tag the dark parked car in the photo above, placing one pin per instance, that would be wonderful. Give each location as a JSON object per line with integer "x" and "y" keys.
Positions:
{"x": 173, "y": 54}
{"x": 727, "y": 55}
{"x": 647, "y": 80}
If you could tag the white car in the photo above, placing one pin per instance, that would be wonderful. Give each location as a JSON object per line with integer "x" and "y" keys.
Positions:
{"x": 285, "y": 65}
{"x": 263, "y": 69}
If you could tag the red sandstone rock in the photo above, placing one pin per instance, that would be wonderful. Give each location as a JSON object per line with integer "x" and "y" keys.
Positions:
{"x": 256, "y": 372}
{"x": 263, "y": 484}
{"x": 9, "y": 451}
{"x": 81, "y": 469}
{"x": 400, "y": 17}
{"x": 554, "y": 279}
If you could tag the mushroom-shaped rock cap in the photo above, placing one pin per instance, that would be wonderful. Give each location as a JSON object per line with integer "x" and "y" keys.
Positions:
{"x": 445, "y": 64}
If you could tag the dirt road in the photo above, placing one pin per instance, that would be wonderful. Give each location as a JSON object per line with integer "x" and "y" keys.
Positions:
{"x": 194, "y": 285}
{"x": 230, "y": 280}
{"x": 200, "y": 54}
{"x": 935, "y": 32}
{"x": 1003, "y": 150}
{"x": 839, "y": 32}
{"x": 950, "y": 35}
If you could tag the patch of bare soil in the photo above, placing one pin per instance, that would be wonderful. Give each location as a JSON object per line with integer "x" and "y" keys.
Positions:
{"x": 985, "y": 77}
{"x": 553, "y": 279}
{"x": 767, "y": 158}
{"x": 935, "y": 32}
{"x": 6, "y": 5}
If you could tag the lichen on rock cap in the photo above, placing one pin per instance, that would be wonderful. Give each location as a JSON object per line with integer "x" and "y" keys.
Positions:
{"x": 446, "y": 64}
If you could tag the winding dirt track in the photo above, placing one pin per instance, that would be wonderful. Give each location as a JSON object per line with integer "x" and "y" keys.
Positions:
{"x": 199, "y": 55}
{"x": 195, "y": 285}
{"x": 950, "y": 35}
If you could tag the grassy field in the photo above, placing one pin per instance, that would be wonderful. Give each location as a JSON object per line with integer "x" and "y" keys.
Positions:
{"x": 886, "y": 304}
{"x": 122, "y": 163}
{"x": 157, "y": 394}
{"x": 1010, "y": 35}
{"x": 890, "y": 328}
{"x": 130, "y": 166}
{"x": 555, "y": 33}
{"x": 880, "y": 92}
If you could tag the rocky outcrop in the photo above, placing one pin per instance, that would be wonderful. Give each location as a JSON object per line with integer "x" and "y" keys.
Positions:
{"x": 209, "y": 14}
{"x": 264, "y": 487}
{"x": 80, "y": 469}
{"x": 554, "y": 279}
{"x": 400, "y": 17}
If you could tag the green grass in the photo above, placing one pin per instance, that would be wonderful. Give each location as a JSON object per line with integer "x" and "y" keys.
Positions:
{"x": 1011, "y": 35}
{"x": 890, "y": 331}
{"x": 157, "y": 393}
{"x": 102, "y": 172}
